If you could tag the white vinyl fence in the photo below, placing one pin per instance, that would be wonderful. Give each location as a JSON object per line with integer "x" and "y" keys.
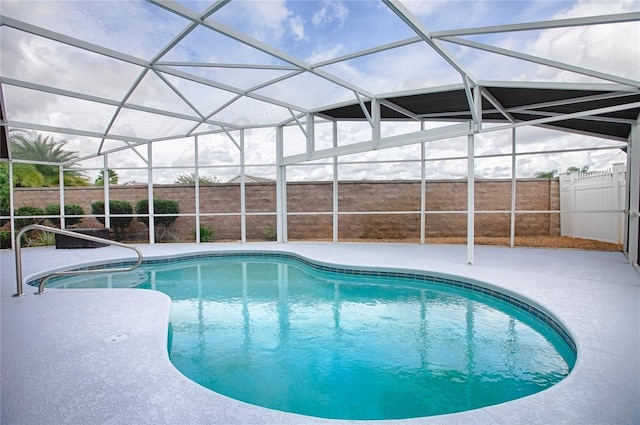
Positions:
{"x": 592, "y": 204}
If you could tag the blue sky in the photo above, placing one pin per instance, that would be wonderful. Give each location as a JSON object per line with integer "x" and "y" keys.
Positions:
{"x": 311, "y": 32}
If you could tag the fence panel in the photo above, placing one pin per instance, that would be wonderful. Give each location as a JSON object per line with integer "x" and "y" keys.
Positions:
{"x": 592, "y": 204}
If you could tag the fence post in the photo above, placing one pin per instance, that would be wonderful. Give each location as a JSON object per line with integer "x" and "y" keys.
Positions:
{"x": 618, "y": 171}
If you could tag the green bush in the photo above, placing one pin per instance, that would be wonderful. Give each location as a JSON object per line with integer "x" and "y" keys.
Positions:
{"x": 28, "y": 211}
{"x": 4, "y": 193}
{"x": 3, "y": 213}
{"x": 270, "y": 234}
{"x": 160, "y": 206}
{"x": 5, "y": 239}
{"x": 69, "y": 210}
{"x": 118, "y": 224}
{"x": 207, "y": 234}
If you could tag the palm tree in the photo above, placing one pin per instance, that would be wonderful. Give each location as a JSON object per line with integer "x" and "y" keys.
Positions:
{"x": 35, "y": 147}
{"x": 546, "y": 174}
{"x": 113, "y": 178}
{"x": 575, "y": 169}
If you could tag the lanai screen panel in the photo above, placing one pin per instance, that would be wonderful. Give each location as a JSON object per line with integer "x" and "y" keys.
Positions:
{"x": 177, "y": 69}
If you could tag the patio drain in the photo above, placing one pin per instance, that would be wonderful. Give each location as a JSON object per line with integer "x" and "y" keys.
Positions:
{"x": 115, "y": 338}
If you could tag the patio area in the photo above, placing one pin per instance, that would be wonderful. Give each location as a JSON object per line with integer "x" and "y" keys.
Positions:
{"x": 99, "y": 356}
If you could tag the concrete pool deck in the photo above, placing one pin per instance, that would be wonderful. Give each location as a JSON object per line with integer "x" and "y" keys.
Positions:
{"x": 99, "y": 356}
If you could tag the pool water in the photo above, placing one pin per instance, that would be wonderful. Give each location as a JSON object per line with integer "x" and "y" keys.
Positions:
{"x": 282, "y": 335}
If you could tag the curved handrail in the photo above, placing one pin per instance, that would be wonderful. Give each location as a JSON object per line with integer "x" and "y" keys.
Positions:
{"x": 44, "y": 280}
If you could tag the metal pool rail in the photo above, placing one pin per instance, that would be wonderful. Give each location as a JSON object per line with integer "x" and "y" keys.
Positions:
{"x": 45, "y": 279}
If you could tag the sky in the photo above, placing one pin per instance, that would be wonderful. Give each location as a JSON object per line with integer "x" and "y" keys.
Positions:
{"x": 311, "y": 32}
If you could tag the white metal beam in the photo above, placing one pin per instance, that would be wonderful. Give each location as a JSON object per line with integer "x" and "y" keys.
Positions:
{"x": 297, "y": 120}
{"x": 514, "y": 163}
{"x": 541, "y": 25}
{"x": 440, "y": 133}
{"x": 598, "y": 111}
{"x": 233, "y": 140}
{"x": 281, "y": 188}
{"x": 400, "y": 109}
{"x": 375, "y": 123}
{"x": 243, "y": 192}
{"x": 575, "y": 100}
{"x": 585, "y": 118}
{"x": 196, "y": 184}
{"x": 367, "y": 52}
{"x": 74, "y": 42}
{"x": 179, "y": 93}
{"x": 543, "y": 61}
{"x": 405, "y": 15}
{"x": 115, "y": 115}
{"x": 633, "y": 194}
{"x": 70, "y": 131}
{"x": 364, "y": 108}
{"x": 105, "y": 101}
{"x": 487, "y": 95}
{"x": 471, "y": 102}
{"x": 229, "y": 65}
{"x": 310, "y": 136}
{"x": 335, "y": 200}
{"x": 555, "y": 85}
{"x": 470, "y": 199}
{"x": 51, "y": 35}
{"x": 256, "y": 44}
{"x": 152, "y": 220}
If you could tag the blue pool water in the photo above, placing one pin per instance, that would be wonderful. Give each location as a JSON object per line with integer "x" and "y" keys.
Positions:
{"x": 278, "y": 333}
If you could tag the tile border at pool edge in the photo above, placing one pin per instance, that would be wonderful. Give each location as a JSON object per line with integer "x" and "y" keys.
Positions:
{"x": 418, "y": 275}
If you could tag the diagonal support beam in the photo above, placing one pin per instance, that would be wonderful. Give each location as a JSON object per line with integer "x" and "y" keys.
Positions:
{"x": 496, "y": 104}
{"x": 299, "y": 123}
{"x": 403, "y": 13}
{"x": 364, "y": 109}
{"x": 565, "y": 117}
{"x": 542, "y": 25}
{"x": 179, "y": 10}
{"x": 233, "y": 140}
{"x": 399, "y": 109}
{"x": 542, "y": 61}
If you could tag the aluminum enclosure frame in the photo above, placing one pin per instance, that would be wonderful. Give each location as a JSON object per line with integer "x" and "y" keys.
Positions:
{"x": 606, "y": 110}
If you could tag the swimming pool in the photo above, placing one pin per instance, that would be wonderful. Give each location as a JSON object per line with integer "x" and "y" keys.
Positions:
{"x": 406, "y": 333}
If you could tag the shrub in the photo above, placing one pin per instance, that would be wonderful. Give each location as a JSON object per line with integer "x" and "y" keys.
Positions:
{"x": 69, "y": 210}
{"x": 28, "y": 211}
{"x": 207, "y": 234}
{"x": 4, "y": 193}
{"x": 5, "y": 239}
{"x": 3, "y": 213}
{"x": 41, "y": 239}
{"x": 118, "y": 224}
{"x": 160, "y": 206}
{"x": 270, "y": 234}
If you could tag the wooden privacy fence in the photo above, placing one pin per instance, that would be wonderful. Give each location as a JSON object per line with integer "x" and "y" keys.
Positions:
{"x": 592, "y": 204}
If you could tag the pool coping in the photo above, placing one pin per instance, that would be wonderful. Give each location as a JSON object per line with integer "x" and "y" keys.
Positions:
{"x": 597, "y": 306}
{"x": 516, "y": 300}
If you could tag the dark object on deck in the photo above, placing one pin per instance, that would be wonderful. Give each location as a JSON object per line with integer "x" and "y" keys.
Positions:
{"x": 67, "y": 242}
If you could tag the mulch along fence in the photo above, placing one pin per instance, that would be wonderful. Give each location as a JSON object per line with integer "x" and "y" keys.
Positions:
{"x": 395, "y": 204}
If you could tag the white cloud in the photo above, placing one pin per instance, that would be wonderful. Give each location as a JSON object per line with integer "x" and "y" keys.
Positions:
{"x": 611, "y": 49}
{"x": 296, "y": 24}
{"x": 608, "y": 48}
{"x": 423, "y": 8}
{"x": 329, "y": 13}
{"x": 333, "y": 51}
{"x": 267, "y": 21}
